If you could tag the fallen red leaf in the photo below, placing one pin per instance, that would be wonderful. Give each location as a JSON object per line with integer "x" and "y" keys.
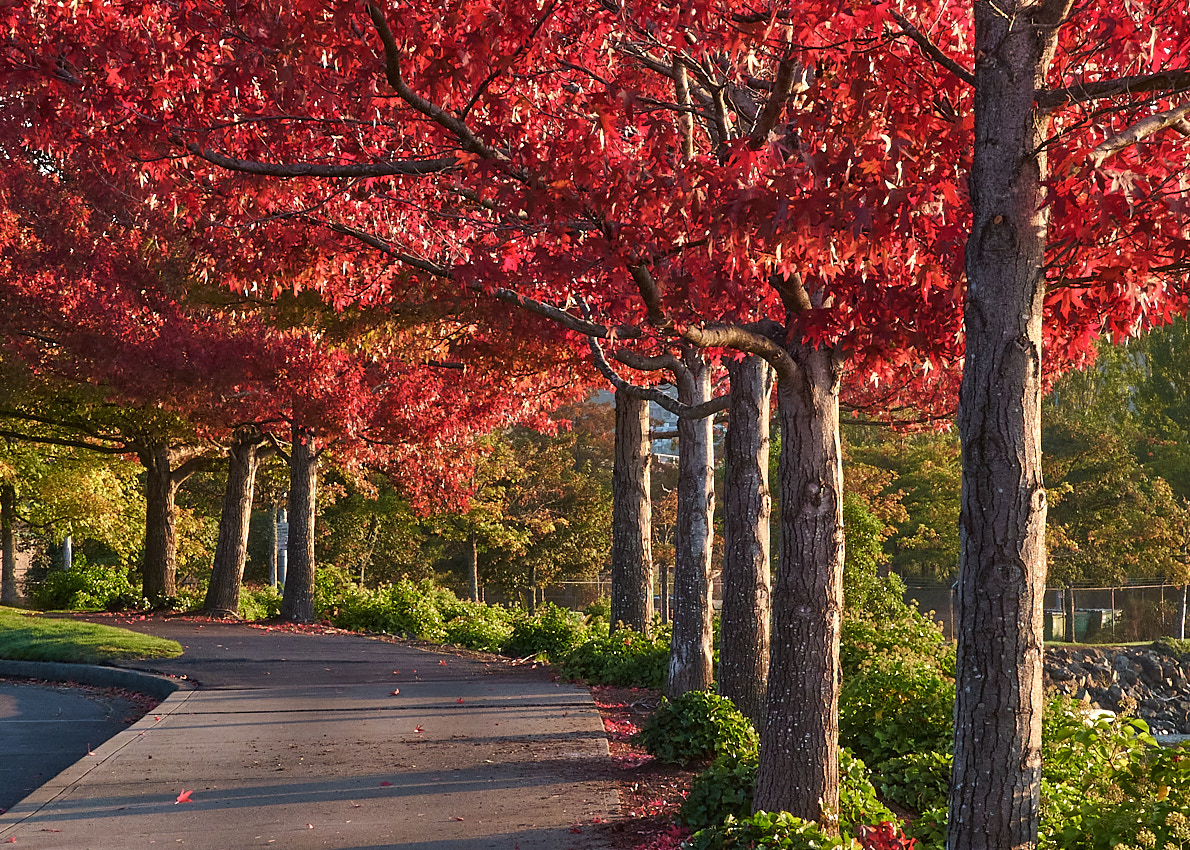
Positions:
{"x": 575, "y": 830}
{"x": 385, "y": 784}
{"x": 396, "y": 691}
{"x": 184, "y": 797}
{"x": 418, "y": 729}
{"x": 456, "y": 818}
{"x": 309, "y": 826}
{"x": 441, "y": 663}
{"x": 460, "y": 699}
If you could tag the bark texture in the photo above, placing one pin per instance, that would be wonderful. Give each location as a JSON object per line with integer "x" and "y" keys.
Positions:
{"x": 745, "y": 619}
{"x": 632, "y": 554}
{"x": 166, "y": 468}
{"x": 994, "y": 798}
{"x": 297, "y": 601}
{"x": 9, "y": 594}
{"x": 799, "y": 740}
{"x": 231, "y": 550}
{"x": 690, "y": 648}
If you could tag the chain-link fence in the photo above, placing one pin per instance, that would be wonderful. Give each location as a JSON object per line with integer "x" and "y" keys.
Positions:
{"x": 1135, "y": 612}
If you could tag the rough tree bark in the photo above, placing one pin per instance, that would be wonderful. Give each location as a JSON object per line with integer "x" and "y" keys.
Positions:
{"x": 9, "y": 594}
{"x": 297, "y": 602}
{"x": 995, "y": 787}
{"x": 631, "y": 555}
{"x": 745, "y": 618}
{"x": 166, "y": 467}
{"x": 247, "y": 450}
{"x": 799, "y": 741}
{"x": 690, "y": 648}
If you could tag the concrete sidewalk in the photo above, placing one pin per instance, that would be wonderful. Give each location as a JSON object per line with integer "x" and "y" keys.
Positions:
{"x": 298, "y": 741}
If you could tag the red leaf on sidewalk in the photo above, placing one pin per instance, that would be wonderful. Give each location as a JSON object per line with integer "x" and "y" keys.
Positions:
{"x": 184, "y": 797}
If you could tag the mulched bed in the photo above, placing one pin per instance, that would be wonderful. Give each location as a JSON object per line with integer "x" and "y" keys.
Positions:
{"x": 651, "y": 792}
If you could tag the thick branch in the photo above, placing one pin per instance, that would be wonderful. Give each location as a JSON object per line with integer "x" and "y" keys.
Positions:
{"x": 650, "y": 294}
{"x": 309, "y": 169}
{"x": 62, "y": 441}
{"x": 677, "y": 408}
{"x": 392, "y": 71}
{"x": 1171, "y": 118}
{"x": 782, "y": 88}
{"x": 932, "y": 50}
{"x": 792, "y": 290}
{"x": 747, "y": 340}
{"x": 1172, "y": 81}
{"x": 685, "y": 119}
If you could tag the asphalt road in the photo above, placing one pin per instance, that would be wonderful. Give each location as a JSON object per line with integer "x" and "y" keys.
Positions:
{"x": 334, "y": 741}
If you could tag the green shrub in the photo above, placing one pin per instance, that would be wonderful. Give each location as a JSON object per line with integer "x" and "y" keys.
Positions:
{"x": 698, "y": 725}
{"x": 477, "y": 626}
{"x": 929, "y": 828}
{"x": 858, "y": 803}
{"x": 88, "y": 587}
{"x": 1106, "y": 783}
{"x": 550, "y": 633}
{"x": 917, "y": 782}
{"x": 768, "y": 830}
{"x": 623, "y": 658}
{"x": 725, "y": 788}
{"x": 600, "y": 609}
{"x": 912, "y": 633}
{"x": 259, "y": 603}
{"x": 406, "y": 608}
{"x": 894, "y": 705}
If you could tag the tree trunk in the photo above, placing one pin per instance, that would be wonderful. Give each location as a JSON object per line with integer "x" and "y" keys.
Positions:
{"x": 160, "y": 565}
{"x": 995, "y": 784}
{"x": 632, "y": 553}
{"x": 744, "y": 621}
{"x": 799, "y": 741}
{"x": 690, "y": 648}
{"x": 273, "y": 545}
{"x": 473, "y": 566}
{"x": 231, "y": 549}
{"x": 1068, "y": 630}
{"x": 9, "y": 595}
{"x": 1182, "y": 614}
{"x": 297, "y": 602}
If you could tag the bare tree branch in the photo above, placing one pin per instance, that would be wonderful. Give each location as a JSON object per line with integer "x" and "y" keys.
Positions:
{"x": 1171, "y": 118}
{"x": 508, "y": 296}
{"x": 932, "y": 50}
{"x": 1171, "y": 81}
{"x": 451, "y": 123}
{"x": 309, "y": 169}
{"x": 645, "y": 363}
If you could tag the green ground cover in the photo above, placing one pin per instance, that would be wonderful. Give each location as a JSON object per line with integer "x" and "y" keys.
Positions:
{"x": 32, "y": 637}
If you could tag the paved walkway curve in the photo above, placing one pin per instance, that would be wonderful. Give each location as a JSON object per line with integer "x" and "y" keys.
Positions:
{"x": 298, "y": 741}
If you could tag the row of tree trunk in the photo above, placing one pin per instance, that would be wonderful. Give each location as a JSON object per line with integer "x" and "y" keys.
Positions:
{"x": 789, "y": 688}
{"x": 168, "y": 467}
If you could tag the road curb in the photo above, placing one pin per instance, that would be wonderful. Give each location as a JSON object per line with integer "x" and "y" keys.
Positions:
{"x": 94, "y": 675}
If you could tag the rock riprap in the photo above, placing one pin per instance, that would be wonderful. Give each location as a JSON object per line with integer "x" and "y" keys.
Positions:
{"x": 1151, "y": 683}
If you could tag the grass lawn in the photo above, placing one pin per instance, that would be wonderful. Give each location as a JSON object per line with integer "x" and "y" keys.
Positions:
{"x": 26, "y": 636}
